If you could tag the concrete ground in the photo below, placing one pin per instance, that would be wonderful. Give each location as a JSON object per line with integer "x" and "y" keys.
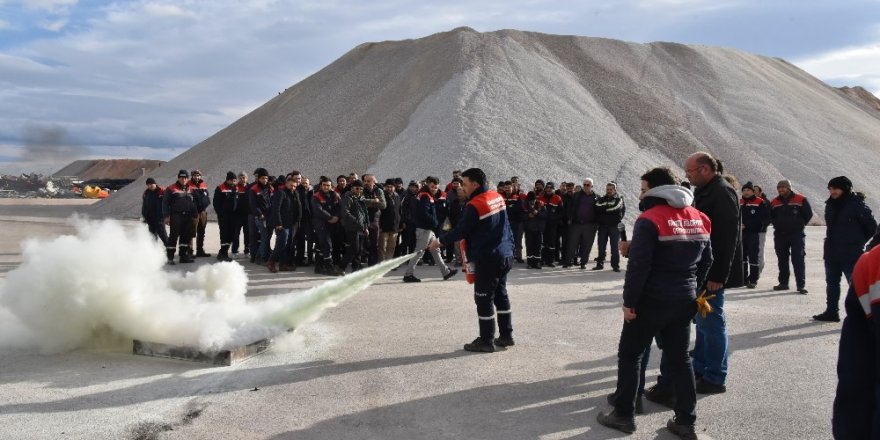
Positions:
{"x": 388, "y": 363}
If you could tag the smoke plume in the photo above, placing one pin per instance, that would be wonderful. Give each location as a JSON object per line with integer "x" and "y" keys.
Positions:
{"x": 109, "y": 279}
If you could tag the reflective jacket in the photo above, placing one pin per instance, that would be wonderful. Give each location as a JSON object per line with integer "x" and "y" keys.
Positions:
{"x": 324, "y": 207}
{"x": 755, "y": 214}
{"x": 790, "y": 215}
{"x": 610, "y": 210}
{"x": 484, "y": 227}
{"x": 225, "y": 199}
{"x": 670, "y": 251}
{"x": 179, "y": 200}
{"x": 200, "y": 194}
{"x": 260, "y": 200}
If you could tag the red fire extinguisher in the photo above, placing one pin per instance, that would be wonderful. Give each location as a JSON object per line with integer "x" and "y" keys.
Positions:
{"x": 470, "y": 270}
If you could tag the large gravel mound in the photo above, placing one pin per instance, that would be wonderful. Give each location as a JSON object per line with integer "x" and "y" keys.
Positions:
{"x": 546, "y": 106}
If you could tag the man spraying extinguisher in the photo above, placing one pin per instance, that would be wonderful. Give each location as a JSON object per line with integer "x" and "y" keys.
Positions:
{"x": 485, "y": 229}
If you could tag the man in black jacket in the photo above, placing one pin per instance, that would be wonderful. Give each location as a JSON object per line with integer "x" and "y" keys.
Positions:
{"x": 720, "y": 202}
{"x": 151, "y": 210}
{"x": 610, "y": 210}
{"x": 355, "y": 222}
{"x": 849, "y": 225}
{"x": 425, "y": 222}
{"x": 389, "y": 222}
{"x": 226, "y": 205}
{"x": 302, "y": 233}
{"x": 242, "y": 227}
{"x": 260, "y": 201}
{"x": 285, "y": 217}
{"x": 374, "y": 198}
{"x": 200, "y": 193}
{"x": 582, "y": 225}
{"x": 325, "y": 218}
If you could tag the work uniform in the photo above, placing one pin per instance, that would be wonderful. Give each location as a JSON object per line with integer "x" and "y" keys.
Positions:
{"x": 260, "y": 200}
{"x": 609, "y": 213}
{"x": 755, "y": 216}
{"x": 240, "y": 225}
{"x": 535, "y": 214}
{"x": 179, "y": 205}
{"x": 200, "y": 222}
{"x": 555, "y": 214}
{"x": 225, "y": 205}
{"x": 324, "y": 207}
{"x": 489, "y": 253}
{"x": 789, "y": 217}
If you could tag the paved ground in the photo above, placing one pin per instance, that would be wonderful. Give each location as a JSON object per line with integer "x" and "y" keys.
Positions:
{"x": 388, "y": 363}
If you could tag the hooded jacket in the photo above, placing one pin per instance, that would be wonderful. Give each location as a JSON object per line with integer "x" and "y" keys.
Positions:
{"x": 849, "y": 225}
{"x": 670, "y": 252}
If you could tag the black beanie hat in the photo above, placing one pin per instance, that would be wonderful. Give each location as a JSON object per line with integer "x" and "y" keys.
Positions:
{"x": 841, "y": 182}
{"x": 183, "y": 173}
{"x": 260, "y": 172}
{"x": 748, "y": 185}
{"x": 230, "y": 175}
{"x": 150, "y": 180}
{"x": 389, "y": 182}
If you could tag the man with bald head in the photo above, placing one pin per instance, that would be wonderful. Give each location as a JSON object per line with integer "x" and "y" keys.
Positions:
{"x": 720, "y": 202}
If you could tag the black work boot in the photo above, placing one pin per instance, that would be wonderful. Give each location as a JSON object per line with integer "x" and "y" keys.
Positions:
{"x": 504, "y": 341}
{"x": 687, "y": 432}
{"x": 480, "y": 346}
{"x": 185, "y": 257}
{"x": 780, "y": 286}
{"x": 202, "y": 253}
{"x": 620, "y": 423}
{"x": 827, "y": 316}
{"x": 662, "y": 395}
{"x": 640, "y": 405}
{"x": 170, "y": 254}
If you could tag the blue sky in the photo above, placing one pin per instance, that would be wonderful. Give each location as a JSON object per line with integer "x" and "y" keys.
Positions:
{"x": 89, "y": 78}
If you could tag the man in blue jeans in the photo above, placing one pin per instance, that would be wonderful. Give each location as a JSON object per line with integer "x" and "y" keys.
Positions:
{"x": 720, "y": 202}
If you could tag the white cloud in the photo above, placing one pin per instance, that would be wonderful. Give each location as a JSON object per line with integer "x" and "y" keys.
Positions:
{"x": 52, "y": 6}
{"x": 54, "y": 25}
{"x": 852, "y": 66}
{"x": 4, "y": 25}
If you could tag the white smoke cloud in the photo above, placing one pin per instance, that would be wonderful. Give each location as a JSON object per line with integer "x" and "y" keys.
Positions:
{"x": 108, "y": 279}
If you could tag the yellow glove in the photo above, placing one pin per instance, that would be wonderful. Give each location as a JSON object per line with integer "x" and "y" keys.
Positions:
{"x": 703, "y": 306}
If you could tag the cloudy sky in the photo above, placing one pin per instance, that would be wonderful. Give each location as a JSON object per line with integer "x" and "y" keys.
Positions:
{"x": 92, "y": 78}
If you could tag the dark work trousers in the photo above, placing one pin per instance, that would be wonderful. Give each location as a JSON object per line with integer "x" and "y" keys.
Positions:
{"x": 372, "y": 244}
{"x": 834, "y": 269}
{"x": 534, "y": 240}
{"x": 226, "y": 223}
{"x": 157, "y": 228}
{"x": 609, "y": 233}
{"x": 672, "y": 321}
{"x": 241, "y": 225}
{"x": 325, "y": 246}
{"x": 200, "y": 222}
{"x": 182, "y": 231}
{"x": 299, "y": 241}
{"x": 337, "y": 234}
{"x": 254, "y": 235}
{"x": 549, "y": 249}
{"x": 490, "y": 294}
{"x": 791, "y": 244}
{"x": 519, "y": 231}
{"x": 354, "y": 244}
{"x": 562, "y": 242}
{"x": 751, "y": 263}
{"x": 580, "y": 236}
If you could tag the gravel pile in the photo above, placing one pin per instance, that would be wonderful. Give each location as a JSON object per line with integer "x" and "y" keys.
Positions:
{"x": 546, "y": 106}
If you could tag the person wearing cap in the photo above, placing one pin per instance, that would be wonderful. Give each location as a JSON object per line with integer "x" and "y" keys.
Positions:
{"x": 755, "y": 216}
{"x": 200, "y": 223}
{"x": 790, "y": 212}
{"x": 555, "y": 215}
{"x": 260, "y": 200}
{"x": 151, "y": 210}
{"x": 489, "y": 254}
{"x": 425, "y": 222}
{"x": 179, "y": 210}
{"x": 241, "y": 226}
{"x": 389, "y": 222}
{"x": 610, "y": 210}
{"x": 225, "y": 205}
{"x": 849, "y": 225}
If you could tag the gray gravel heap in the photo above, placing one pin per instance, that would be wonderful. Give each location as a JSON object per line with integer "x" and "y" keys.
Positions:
{"x": 545, "y": 106}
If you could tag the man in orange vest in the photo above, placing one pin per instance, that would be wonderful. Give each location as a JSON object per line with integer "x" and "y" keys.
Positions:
{"x": 489, "y": 252}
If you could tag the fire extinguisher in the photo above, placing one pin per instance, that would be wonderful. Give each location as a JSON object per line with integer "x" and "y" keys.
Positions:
{"x": 470, "y": 269}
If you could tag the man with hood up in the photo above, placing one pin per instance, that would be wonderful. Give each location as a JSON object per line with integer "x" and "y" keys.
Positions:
{"x": 849, "y": 225}
{"x": 669, "y": 258}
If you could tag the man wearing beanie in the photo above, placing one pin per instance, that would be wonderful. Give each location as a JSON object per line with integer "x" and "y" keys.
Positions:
{"x": 200, "y": 193}
{"x": 755, "y": 216}
{"x": 151, "y": 210}
{"x": 849, "y": 225}
{"x": 790, "y": 212}
{"x": 179, "y": 210}
{"x": 225, "y": 205}
{"x": 259, "y": 198}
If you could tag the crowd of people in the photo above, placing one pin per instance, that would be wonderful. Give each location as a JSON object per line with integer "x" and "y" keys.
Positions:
{"x": 711, "y": 237}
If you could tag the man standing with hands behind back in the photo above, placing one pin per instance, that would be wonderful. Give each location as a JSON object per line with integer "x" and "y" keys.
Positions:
{"x": 489, "y": 251}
